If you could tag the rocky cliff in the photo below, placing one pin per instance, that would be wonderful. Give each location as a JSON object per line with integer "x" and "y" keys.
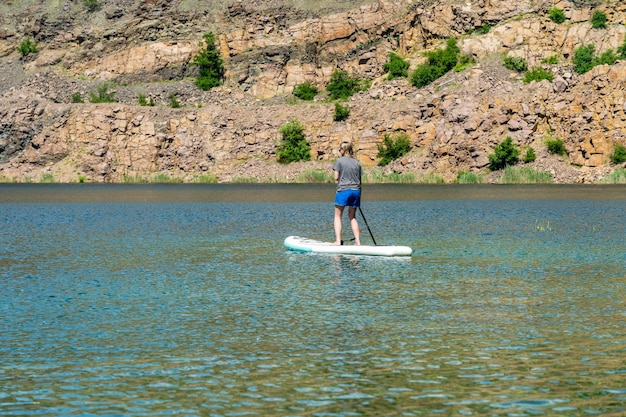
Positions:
{"x": 145, "y": 48}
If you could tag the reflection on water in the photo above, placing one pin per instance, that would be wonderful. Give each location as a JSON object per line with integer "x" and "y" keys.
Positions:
{"x": 150, "y": 300}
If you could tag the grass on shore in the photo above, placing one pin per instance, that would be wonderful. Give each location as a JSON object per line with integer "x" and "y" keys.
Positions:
{"x": 616, "y": 177}
{"x": 525, "y": 175}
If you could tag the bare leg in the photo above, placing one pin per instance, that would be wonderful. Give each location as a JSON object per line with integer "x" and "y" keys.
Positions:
{"x": 355, "y": 225}
{"x": 337, "y": 224}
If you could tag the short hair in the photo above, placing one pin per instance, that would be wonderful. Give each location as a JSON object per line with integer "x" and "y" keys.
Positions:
{"x": 345, "y": 148}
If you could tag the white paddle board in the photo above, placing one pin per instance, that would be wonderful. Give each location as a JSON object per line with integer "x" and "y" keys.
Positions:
{"x": 303, "y": 244}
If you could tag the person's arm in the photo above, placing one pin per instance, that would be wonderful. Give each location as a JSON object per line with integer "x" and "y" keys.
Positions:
{"x": 336, "y": 174}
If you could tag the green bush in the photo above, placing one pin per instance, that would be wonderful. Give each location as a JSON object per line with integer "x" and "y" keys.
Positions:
{"x": 551, "y": 60}
{"x": 393, "y": 147}
{"x": 515, "y": 63}
{"x": 92, "y": 5}
{"x": 293, "y": 147}
{"x": 143, "y": 101}
{"x": 503, "y": 155}
{"x": 557, "y": 15}
{"x": 439, "y": 63}
{"x": 210, "y": 64}
{"x": 77, "y": 98}
{"x": 555, "y": 146}
{"x": 341, "y": 112}
{"x": 538, "y": 74}
{"x": 584, "y": 58}
{"x": 608, "y": 57}
{"x": 530, "y": 155}
{"x": 598, "y": 20}
{"x": 619, "y": 154}
{"x": 28, "y": 46}
{"x": 174, "y": 101}
{"x": 305, "y": 91}
{"x": 396, "y": 67}
{"x": 102, "y": 95}
{"x": 342, "y": 86}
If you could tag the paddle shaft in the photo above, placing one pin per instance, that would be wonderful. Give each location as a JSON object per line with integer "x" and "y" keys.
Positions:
{"x": 368, "y": 226}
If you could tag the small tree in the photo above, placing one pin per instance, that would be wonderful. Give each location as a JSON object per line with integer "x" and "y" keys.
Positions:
{"x": 396, "y": 67}
{"x": 393, "y": 147}
{"x": 530, "y": 155}
{"x": 342, "y": 86}
{"x": 210, "y": 64}
{"x": 583, "y": 58}
{"x": 293, "y": 147}
{"x": 341, "y": 112}
{"x": 555, "y": 146}
{"x": 505, "y": 154}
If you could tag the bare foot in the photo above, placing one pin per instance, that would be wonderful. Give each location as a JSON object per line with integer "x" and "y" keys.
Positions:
{"x": 336, "y": 243}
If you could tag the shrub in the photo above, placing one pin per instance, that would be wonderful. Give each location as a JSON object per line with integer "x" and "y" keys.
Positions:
{"x": 557, "y": 15}
{"x": 341, "y": 112}
{"x": 598, "y": 20}
{"x": 293, "y": 147}
{"x": 143, "y": 101}
{"x": 396, "y": 67}
{"x": 608, "y": 57}
{"x": 210, "y": 64}
{"x": 28, "y": 46}
{"x": 174, "y": 101}
{"x": 503, "y": 155}
{"x": 342, "y": 86}
{"x": 439, "y": 63}
{"x": 530, "y": 155}
{"x": 102, "y": 95}
{"x": 538, "y": 74}
{"x": 555, "y": 146}
{"x": 77, "y": 98}
{"x": 393, "y": 147}
{"x": 305, "y": 91}
{"x": 583, "y": 58}
{"x": 515, "y": 63}
{"x": 483, "y": 29}
{"x": 425, "y": 74}
{"x": 92, "y": 5}
{"x": 464, "y": 62}
{"x": 551, "y": 60}
{"x": 619, "y": 154}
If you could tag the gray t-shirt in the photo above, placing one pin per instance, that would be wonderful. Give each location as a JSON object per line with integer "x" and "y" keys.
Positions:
{"x": 350, "y": 172}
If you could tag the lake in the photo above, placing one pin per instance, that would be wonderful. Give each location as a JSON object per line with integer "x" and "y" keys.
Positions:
{"x": 144, "y": 300}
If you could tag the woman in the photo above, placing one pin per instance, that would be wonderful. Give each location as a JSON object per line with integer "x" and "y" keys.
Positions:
{"x": 347, "y": 171}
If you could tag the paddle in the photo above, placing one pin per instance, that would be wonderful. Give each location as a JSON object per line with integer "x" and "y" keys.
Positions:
{"x": 368, "y": 226}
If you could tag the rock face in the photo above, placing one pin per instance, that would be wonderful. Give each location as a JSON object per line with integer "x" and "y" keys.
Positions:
{"x": 145, "y": 48}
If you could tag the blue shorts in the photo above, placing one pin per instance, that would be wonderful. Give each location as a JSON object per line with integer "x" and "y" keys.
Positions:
{"x": 348, "y": 198}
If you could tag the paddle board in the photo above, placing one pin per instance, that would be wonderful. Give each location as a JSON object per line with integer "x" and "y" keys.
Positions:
{"x": 303, "y": 244}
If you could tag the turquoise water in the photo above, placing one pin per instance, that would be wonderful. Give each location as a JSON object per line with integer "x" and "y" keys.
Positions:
{"x": 181, "y": 300}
